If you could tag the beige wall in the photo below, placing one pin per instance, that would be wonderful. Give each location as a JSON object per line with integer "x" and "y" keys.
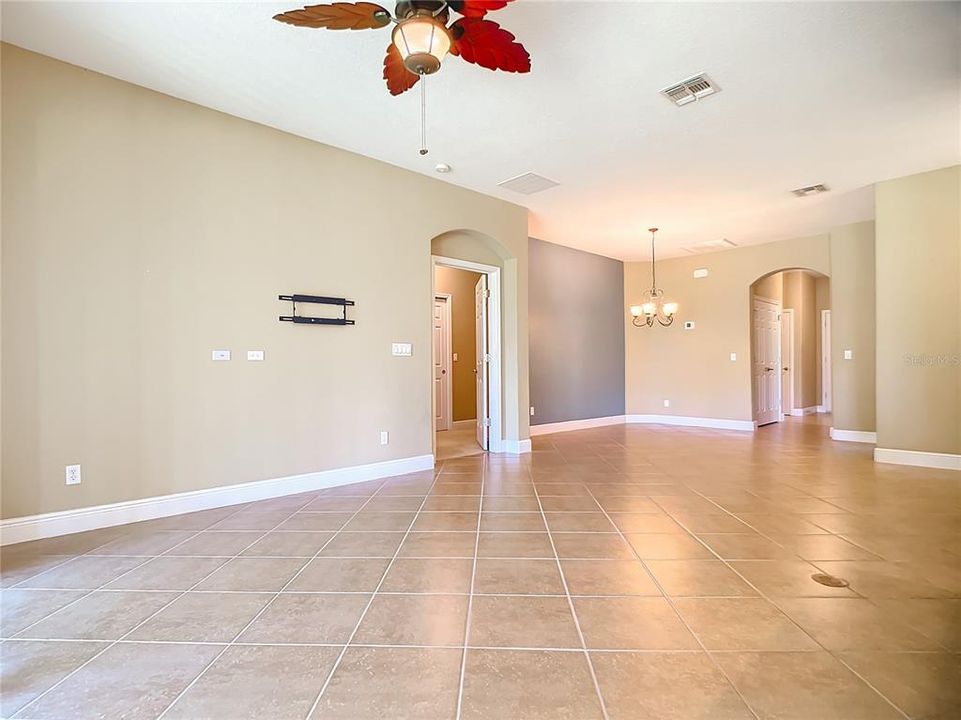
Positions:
{"x": 822, "y": 301}
{"x": 919, "y": 312}
{"x": 141, "y": 232}
{"x": 692, "y": 368}
{"x": 800, "y": 296}
{"x": 459, "y": 284}
{"x": 853, "y": 327}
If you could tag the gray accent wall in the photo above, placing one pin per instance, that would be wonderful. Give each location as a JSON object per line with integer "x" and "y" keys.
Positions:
{"x": 576, "y": 329}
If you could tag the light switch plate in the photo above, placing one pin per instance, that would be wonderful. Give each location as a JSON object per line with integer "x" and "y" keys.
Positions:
{"x": 848, "y": 354}
{"x": 733, "y": 357}
{"x": 257, "y": 355}
{"x": 401, "y": 349}
{"x": 384, "y": 437}
{"x": 220, "y": 355}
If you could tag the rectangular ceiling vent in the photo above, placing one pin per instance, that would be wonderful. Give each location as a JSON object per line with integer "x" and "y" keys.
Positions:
{"x": 528, "y": 183}
{"x": 810, "y": 190}
{"x": 711, "y": 246}
{"x": 687, "y": 91}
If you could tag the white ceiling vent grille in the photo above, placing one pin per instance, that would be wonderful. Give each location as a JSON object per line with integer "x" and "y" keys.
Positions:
{"x": 711, "y": 246}
{"x": 687, "y": 91}
{"x": 810, "y": 190}
{"x": 528, "y": 183}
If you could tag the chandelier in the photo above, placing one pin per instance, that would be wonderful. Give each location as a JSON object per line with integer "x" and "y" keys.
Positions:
{"x": 653, "y": 307}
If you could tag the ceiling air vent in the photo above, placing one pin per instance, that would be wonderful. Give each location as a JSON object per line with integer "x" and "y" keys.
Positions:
{"x": 528, "y": 183}
{"x": 687, "y": 91}
{"x": 711, "y": 246}
{"x": 810, "y": 190}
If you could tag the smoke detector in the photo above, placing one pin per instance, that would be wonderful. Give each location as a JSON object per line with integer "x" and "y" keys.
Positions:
{"x": 528, "y": 183}
{"x": 690, "y": 90}
{"x": 811, "y": 190}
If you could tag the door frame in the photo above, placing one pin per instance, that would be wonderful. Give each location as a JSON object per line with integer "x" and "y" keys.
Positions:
{"x": 827, "y": 380}
{"x": 448, "y": 337}
{"x": 787, "y": 408}
{"x": 494, "y": 384}
{"x": 780, "y": 400}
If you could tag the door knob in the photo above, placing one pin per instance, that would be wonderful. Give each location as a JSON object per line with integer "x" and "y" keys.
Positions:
{"x": 443, "y": 372}
{"x": 767, "y": 369}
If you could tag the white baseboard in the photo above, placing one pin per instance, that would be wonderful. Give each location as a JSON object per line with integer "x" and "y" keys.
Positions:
{"x": 800, "y": 412}
{"x": 861, "y": 436}
{"x": 821, "y": 409}
{"x": 34, "y": 527}
{"x": 516, "y": 447}
{"x": 567, "y": 425}
{"x": 714, "y": 423}
{"x": 940, "y": 461}
{"x": 461, "y": 424}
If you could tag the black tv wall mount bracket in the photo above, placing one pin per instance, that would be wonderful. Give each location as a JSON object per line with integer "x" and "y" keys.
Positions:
{"x": 318, "y": 299}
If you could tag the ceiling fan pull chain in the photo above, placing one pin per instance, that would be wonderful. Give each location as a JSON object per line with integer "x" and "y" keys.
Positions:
{"x": 423, "y": 115}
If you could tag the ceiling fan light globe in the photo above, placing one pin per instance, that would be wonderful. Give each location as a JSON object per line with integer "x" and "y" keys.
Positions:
{"x": 423, "y": 42}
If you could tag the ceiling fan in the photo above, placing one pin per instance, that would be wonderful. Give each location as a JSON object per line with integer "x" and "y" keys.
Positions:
{"x": 422, "y": 37}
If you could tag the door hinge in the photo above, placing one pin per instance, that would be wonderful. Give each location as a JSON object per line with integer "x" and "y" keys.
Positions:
{"x": 487, "y": 294}
{"x": 488, "y": 357}
{"x": 487, "y": 422}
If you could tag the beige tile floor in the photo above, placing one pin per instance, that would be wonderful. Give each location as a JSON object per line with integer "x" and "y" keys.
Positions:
{"x": 459, "y": 442}
{"x": 620, "y": 573}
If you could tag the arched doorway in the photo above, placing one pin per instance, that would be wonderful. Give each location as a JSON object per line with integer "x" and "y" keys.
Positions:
{"x": 470, "y": 277}
{"x": 790, "y": 311}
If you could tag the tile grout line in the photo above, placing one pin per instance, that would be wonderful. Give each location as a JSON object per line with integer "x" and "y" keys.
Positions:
{"x": 152, "y": 615}
{"x": 470, "y": 599}
{"x": 277, "y": 594}
{"x": 671, "y": 603}
{"x": 88, "y": 593}
{"x": 570, "y": 603}
{"x": 370, "y": 602}
{"x": 830, "y": 652}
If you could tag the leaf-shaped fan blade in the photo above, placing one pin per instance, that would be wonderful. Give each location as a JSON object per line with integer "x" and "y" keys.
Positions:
{"x": 487, "y": 44}
{"x": 399, "y": 78}
{"x": 338, "y": 16}
{"x": 476, "y": 8}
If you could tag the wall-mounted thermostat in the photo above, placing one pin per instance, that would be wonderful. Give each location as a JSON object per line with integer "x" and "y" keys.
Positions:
{"x": 700, "y": 273}
{"x": 688, "y": 324}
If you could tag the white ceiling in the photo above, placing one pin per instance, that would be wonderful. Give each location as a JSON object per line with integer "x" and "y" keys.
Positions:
{"x": 841, "y": 94}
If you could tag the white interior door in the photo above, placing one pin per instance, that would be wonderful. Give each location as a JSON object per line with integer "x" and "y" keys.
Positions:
{"x": 441, "y": 346}
{"x": 766, "y": 380}
{"x": 787, "y": 362}
{"x": 481, "y": 367}
{"x": 826, "y": 360}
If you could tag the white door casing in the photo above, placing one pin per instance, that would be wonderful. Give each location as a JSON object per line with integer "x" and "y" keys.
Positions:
{"x": 826, "y": 368}
{"x": 442, "y": 356}
{"x": 787, "y": 361}
{"x": 765, "y": 378}
{"x": 482, "y": 364}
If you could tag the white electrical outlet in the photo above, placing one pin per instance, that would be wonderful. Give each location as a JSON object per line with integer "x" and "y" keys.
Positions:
{"x": 255, "y": 355}
{"x": 733, "y": 357}
{"x": 384, "y": 437}
{"x": 667, "y": 403}
{"x": 220, "y": 355}
{"x": 532, "y": 411}
{"x": 73, "y": 475}
{"x": 849, "y": 355}
{"x": 455, "y": 357}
